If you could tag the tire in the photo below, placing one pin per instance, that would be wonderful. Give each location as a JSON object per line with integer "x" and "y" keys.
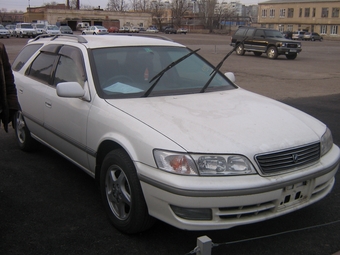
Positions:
{"x": 313, "y": 39}
{"x": 291, "y": 56}
{"x": 23, "y": 135}
{"x": 122, "y": 194}
{"x": 240, "y": 49}
{"x": 272, "y": 52}
{"x": 320, "y": 40}
{"x": 256, "y": 53}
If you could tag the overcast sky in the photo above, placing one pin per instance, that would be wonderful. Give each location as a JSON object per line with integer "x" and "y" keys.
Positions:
{"x": 21, "y": 5}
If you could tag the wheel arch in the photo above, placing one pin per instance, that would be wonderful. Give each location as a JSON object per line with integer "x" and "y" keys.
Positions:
{"x": 104, "y": 148}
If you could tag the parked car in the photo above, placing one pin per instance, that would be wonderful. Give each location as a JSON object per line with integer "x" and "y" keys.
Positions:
{"x": 25, "y": 30}
{"x": 264, "y": 40}
{"x": 124, "y": 30}
{"x": 298, "y": 35}
{"x": 312, "y": 36}
{"x": 51, "y": 30}
{"x": 11, "y": 29}
{"x": 182, "y": 31}
{"x": 170, "y": 30}
{"x": 39, "y": 27}
{"x": 167, "y": 135}
{"x": 152, "y": 30}
{"x": 95, "y": 30}
{"x": 65, "y": 30}
{"x": 134, "y": 30}
{"x": 113, "y": 30}
{"x": 4, "y": 33}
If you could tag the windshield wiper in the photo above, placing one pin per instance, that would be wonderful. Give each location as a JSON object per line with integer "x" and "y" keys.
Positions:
{"x": 214, "y": 72}
{"x": 160, "y": 74}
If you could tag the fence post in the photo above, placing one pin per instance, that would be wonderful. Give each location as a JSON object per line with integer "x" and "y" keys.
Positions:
{"x": 204, "y": 245}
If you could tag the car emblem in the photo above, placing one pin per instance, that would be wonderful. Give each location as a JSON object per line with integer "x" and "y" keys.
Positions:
{"x": 295, "y": 157}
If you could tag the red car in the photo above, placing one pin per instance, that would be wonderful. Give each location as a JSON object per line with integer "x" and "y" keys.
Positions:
{"x": 113, "y": 30}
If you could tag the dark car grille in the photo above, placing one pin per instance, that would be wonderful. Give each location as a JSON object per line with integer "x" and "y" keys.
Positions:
{"x": 286, "y": 160}
{"x": 292, "y": 45}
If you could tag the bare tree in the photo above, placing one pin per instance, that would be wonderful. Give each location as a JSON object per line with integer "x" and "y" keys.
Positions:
{"x": 206, "y": 10}
{"x": 118, "y": 5}
{"x": 158, "y": 9}
{"x": 178, "y": 9}
{"x": 223, "y": 14}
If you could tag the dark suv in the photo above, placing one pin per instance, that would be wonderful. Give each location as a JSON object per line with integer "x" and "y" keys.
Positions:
{"x": 264, "y": 40}
{"x": 170, "y": 30}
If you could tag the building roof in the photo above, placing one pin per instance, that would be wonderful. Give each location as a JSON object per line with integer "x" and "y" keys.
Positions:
{"x": 295, "y": 1}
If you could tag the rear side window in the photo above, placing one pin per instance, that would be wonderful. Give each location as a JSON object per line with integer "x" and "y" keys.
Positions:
{"x": 241, "y": 31}
{"x": 250, "y": 32}
{"x": 24, "y": 55}
{"x": 42, "y": 66}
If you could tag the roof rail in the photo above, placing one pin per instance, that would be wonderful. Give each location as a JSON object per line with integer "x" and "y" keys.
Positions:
{"x": 144, "y": 35}
{"x": 79, "y": 38}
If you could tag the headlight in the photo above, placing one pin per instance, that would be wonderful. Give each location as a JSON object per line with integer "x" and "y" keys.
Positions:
{"x": 197, "y": 164}
{"x": 326, "y": 142}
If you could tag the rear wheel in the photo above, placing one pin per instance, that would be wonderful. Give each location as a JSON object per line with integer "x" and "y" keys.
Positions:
{"x": 23, "y": 135}
{"x": 122, "y": 194}
{"x": 240, "y": 49}
{"x": 272, "y": 52}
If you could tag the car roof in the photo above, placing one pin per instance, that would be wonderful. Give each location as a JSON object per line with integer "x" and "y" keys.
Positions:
{"x": 103, "y": 41}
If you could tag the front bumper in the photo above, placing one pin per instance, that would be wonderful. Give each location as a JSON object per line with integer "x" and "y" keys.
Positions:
{"x": 284, "y": 50}
{"x": 234, "y": 200}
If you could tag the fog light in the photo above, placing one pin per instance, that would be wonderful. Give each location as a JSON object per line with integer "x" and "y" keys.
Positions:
{"x": 192, "y": 213}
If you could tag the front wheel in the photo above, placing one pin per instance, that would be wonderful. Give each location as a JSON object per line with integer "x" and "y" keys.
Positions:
{"x": 122, "y": 194}
{"x": 23, "y": 135}
{"x": 272, "y": 52}
{"x": 291, "y": 56}
{"x": 240, "y": 49}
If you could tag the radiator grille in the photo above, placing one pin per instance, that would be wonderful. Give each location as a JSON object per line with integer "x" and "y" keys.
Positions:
{"x": 292, "y": 45}
{"x": 271, "y": 163}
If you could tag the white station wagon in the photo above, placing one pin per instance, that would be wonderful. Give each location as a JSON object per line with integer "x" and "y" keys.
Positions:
{"x": 168, "y": 136}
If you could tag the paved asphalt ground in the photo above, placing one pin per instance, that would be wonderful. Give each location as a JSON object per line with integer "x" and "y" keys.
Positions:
{"x": 49, "y": 206}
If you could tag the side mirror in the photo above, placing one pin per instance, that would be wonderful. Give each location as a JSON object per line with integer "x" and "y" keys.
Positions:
{"x": 70, "y": 89}
{"x": 230, "y": 76}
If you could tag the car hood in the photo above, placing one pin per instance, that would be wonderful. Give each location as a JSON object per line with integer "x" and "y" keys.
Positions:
{"x": 220, "y": 122}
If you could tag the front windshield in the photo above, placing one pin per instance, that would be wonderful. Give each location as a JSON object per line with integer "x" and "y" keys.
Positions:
{"x": 52, "y": 28}
{"x": 273, "y": 33}
{"x": 127, "y": 71}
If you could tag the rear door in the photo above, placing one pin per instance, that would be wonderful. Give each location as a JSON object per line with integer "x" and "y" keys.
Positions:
{"x": 260, "y": 42}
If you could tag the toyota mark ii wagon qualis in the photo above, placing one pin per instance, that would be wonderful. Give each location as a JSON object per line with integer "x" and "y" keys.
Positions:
{"x": 167, "y": 135}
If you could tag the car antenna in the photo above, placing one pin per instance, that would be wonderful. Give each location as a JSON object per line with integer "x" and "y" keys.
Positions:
{"x": 213, "y": 73}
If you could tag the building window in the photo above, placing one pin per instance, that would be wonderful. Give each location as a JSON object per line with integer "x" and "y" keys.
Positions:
{"x": 264, "y": 13}
{"x": 324, "y": 13}
{"x": 289, "y": 27}
{"x": 307, "y": 10}
{"x": 290, "y": 12}
{"x": 300, "y": 12}
{"x": 314, "y": 10}
{"x": 282, "y": 13}
{"x": 263, "y": 25}
{"x": 272, "y": 13}
{"x": 334, "y": 30}
{"x": 335, "y": 13}
{"x": 281, "y": 28}
{"x": 323, "y": 29}
{"x": 271, "y": 26}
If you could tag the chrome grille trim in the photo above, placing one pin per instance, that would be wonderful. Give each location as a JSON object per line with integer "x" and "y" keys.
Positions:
{"x": 271, "y": 163}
